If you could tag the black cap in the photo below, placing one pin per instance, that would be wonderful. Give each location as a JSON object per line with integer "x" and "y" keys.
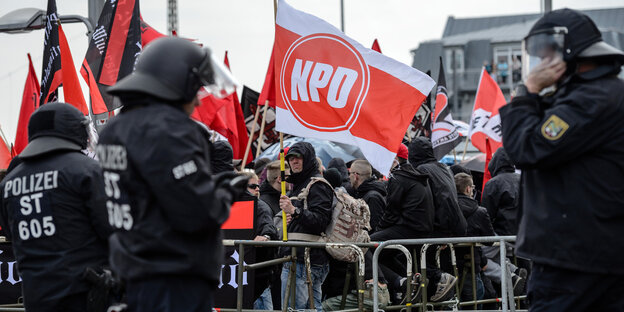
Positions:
{"x": 55, "y": 126}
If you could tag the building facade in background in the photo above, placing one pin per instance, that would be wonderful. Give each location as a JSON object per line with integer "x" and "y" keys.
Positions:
{"x": 468, "y": 44}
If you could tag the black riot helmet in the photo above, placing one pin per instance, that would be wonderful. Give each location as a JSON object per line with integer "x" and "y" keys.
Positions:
{"x": 568, "y": 34}
{"x": 172, "y": 69}
{"x": 56, "y": 126}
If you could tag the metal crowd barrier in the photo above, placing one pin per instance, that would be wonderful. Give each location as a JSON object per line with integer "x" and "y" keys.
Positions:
{"x": 506, "y": 287}
{"x": 506, "y": 299}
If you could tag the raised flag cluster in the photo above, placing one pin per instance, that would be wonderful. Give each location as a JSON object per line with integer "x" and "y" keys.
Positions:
{"x": 114, "y": 46}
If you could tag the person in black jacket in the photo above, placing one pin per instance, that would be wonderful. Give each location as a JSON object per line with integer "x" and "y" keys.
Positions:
{"x": 311, "y": 221}
{"x": 449, "y": 220}
{"x": 501, "y": 195}
{"x": 409, "y": 213}
{"x": 264, "y": 230}
{"x": 478, "y": 224}
{"x": 167, "y": 206}
{"x": 368, "y": 189}
{"x": 54, "y": 211}
{"x": 339, "y": 164}
{"x": 570, "y": 147}
{"x": 271, "y": 188}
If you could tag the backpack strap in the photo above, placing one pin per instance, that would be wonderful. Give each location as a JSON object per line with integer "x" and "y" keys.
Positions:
{"x": 303, "y": 195}
{"x": 304, "y": 237}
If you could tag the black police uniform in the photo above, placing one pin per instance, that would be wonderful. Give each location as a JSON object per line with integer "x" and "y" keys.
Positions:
{"x": 53, "y": 204}
{"x": 570, "y": 147}
{"x": 165, "y": 204}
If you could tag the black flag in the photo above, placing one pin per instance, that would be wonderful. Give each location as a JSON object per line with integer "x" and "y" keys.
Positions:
{"x": 51, "y": 75}
{"x": 444, "y": 134}
{"x": 113, "y": 49}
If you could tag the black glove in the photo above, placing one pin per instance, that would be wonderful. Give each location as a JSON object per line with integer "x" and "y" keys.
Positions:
{"x": 231, "y": 182}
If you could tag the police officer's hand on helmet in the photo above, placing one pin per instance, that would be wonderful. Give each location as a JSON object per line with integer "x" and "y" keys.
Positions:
{"x": 547, "y": 73}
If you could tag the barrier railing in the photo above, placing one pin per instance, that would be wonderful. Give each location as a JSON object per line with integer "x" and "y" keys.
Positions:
{"x": 506, "y": 287}
{"x": 506, "y": 292}
{"x": 506, "y": 298}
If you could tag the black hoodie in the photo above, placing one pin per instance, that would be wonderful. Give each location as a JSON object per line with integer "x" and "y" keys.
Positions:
{"x": 409, "y": 202}
{"x": 373, "y": 193}
{"x": 449, "y": 220}
{"x": 501, "y": 194}
{"x": 339, "y": 164}
{"x": 315, "y": 219}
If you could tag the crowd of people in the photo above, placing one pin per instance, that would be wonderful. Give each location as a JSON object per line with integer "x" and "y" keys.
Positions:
{"x": 141, "y": 224}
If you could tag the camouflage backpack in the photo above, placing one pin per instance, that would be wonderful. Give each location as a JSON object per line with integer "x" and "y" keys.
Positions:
{"x": 350, "y": 222}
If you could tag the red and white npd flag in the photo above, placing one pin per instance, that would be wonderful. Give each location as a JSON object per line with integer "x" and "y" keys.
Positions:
{"x": 485, "y": 120}
{"x": 331, "y": 87}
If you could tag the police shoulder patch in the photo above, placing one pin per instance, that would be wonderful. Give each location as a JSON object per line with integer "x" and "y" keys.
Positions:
{"x": 554, "y": 127}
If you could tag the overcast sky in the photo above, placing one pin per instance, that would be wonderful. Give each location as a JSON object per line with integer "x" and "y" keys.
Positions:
{"x": 245, "y": 28}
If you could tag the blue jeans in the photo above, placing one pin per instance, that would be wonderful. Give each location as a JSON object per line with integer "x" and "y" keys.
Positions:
{"x": 264, "y": 302}
{"x": 319, "y": 273}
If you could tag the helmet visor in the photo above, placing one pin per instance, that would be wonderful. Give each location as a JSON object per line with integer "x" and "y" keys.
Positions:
{"x": 540, "y": 46}
{"x": 216, "y": 78}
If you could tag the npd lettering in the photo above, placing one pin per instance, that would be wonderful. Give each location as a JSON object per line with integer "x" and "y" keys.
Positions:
{"x": 308, "y": 77}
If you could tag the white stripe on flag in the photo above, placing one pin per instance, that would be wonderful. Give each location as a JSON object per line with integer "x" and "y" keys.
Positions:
{"x": 378, "y": 156}
{"x": 305, "y": 24}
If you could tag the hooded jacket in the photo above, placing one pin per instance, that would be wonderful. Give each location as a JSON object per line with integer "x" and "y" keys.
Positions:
{"x": 409, "y": 202}
{"x": 501, "y": 195}
{"x": 571, "y": 153}
{"x": 449, "y": 220}
{"x": 478, "y": 224}
{"x": 339, "y": 164}
{"x": 270, "y": 196}
{"x": 316, "y": 218}
{"x": 374, "y": 194}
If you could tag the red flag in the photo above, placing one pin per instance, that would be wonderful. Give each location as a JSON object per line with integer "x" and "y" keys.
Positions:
{"x": 375, "y": 46}
{"x": 112, "y": 52}
{"x": 5, "y": 154}
{"x": 71, "y": 85}
{"x": 485, "y": 120}
{"x": 331, "y": 87}
{"x": 268, "y": 89}
{"x": 487, "y": 175}
{"x": 30, "y": 102}
{"x": 239, "y": 142}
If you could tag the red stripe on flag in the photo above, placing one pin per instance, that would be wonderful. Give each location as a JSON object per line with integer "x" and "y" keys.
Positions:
{"x": 268, "y": 89}
{"x": 71, "y": 85}
{"x": 241, "y": 216}
{"x": 97, "y": 102}
{"x": 117, "y": 42}
{"x": 401, "y": 103}
{"x": 30, "y": 102}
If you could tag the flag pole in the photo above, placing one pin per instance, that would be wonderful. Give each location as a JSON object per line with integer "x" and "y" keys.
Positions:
{"x": 465, "y": 148}
{"x": 262, "y": 124}
{"x": 253, "y": 130}
{"x": 282, "y": 159}
{"x": 283, "y": 184}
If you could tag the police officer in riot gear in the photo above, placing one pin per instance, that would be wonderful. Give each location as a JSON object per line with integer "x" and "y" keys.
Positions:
{"x": 163, "y": 201}
{"x": 53, "y": 207}
{"x": 569, "y": 143}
